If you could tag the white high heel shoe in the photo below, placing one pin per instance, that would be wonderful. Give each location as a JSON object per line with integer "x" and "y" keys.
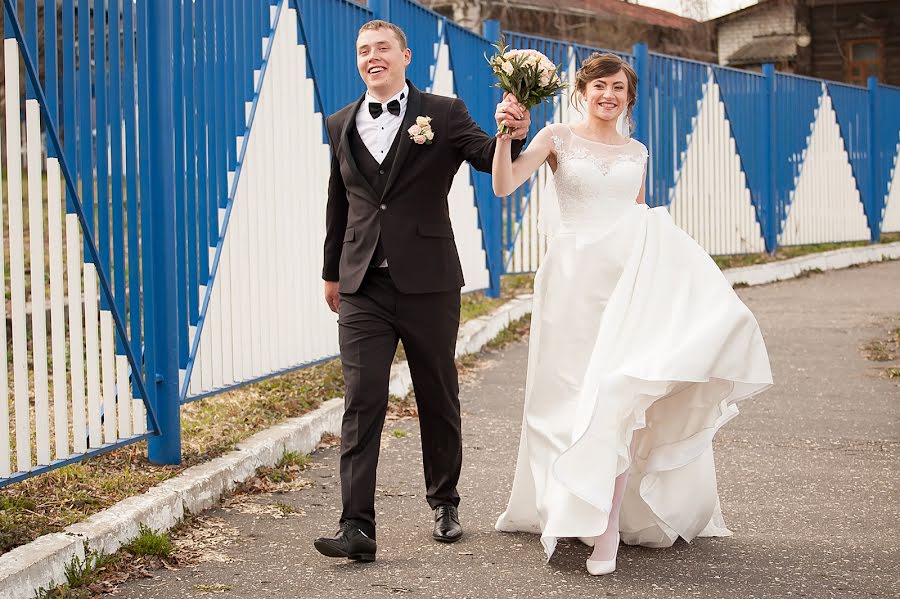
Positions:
{"x": 601, "y": 567}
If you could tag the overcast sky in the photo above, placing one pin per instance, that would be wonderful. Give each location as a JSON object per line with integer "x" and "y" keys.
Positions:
{"x": 715, "y": 8}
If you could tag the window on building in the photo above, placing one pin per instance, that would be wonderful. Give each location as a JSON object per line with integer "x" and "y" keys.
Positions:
{"x": 863, "y": 60}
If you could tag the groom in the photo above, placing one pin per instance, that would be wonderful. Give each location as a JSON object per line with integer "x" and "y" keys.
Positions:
{"x": 392, "y": 272}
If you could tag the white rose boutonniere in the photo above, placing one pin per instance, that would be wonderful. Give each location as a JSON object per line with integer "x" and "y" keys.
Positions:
{"x": 421, "y": 132}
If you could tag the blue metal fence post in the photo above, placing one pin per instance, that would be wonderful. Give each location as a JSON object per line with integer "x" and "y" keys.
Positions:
{"x": 770, "y": 222}
{"x": 642, "y": 106}
{"x": 381, "y": 9}
{"x": 493, "y": 207}
{"x": 876, "y": 197}
{"x": 166, "y": 447}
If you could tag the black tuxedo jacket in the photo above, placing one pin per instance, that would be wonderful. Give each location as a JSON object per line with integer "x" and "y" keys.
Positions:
{"x": 412, "y": 215}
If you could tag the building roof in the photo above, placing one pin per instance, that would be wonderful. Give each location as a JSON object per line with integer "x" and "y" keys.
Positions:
{"x": 749, "y": 10}
{"x": 636, "y": 12}
{"x": 765, "y": 48}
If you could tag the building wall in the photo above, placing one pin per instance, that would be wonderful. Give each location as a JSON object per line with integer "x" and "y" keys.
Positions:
{"x": 831, "y": 26}
{"x": 734, "y": 33}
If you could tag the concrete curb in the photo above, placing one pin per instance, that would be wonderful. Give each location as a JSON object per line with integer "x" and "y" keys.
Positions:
{"x": 761, "y": 274}
{"x": 200, "y": 487}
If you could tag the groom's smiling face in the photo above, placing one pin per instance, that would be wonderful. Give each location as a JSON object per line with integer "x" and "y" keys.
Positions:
{"x": 382, "y": 61}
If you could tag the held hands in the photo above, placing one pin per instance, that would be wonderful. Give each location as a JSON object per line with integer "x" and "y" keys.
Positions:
{"x": 513, "y": 115}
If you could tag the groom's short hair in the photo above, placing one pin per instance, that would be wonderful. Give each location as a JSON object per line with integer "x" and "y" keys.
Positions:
{"x": 378, "y": 24}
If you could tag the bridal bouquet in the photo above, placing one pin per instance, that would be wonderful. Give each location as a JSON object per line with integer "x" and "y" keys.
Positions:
{"x": 527, "y": 74}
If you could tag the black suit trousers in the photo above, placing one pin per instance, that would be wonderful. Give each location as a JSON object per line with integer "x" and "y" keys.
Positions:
{"x": 371, "y": 321}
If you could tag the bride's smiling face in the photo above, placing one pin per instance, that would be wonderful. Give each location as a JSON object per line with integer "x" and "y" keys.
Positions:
{"x": 381, "y": 61}
{"x": 607, "y": 97}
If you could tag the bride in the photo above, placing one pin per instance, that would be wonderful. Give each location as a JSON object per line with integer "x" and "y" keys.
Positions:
{"x": 639, "y": 348}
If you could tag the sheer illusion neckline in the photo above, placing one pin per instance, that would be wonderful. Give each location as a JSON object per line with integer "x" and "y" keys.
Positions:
{"x": 572, "y": 131}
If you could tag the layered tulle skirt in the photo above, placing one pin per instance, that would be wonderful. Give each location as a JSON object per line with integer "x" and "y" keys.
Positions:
{"x": 639, "y": 352}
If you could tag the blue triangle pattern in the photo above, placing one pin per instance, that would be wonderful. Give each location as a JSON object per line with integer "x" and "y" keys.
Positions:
{"x": 676, "y": 88}
{"x": 888, "y": 118}
{"x": 316, "y": 18}
{"x": 741, "y": 92}
{"x": 797, "y": 100}
{"x": 472, "y": 85}
{"x": 851, "y": 106}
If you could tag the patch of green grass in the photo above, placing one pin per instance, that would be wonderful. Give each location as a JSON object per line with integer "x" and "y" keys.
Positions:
{"x": 398, "y": 433}
{"x": 294, "y": 458}
{"x": 12, "y": 504}
{"x": 150, "y": 542}
{"x": 286, "y": 470}
{"x": 476, "y": 304}
{"x": 513, "y": 285}
{"x": 513, "y": 332}
{"x": 80, "y": 574}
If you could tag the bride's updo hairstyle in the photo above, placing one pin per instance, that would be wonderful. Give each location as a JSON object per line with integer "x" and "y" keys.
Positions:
{"x": 605, "y": 64}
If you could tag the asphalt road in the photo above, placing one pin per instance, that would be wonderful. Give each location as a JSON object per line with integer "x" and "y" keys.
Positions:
{"x": 808, "y": 477}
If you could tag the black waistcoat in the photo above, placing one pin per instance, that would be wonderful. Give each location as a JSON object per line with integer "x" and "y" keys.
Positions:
{"x": 376, "y": 174}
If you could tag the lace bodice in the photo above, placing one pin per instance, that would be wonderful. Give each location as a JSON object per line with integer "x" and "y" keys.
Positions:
{"x": 595, "y": 182}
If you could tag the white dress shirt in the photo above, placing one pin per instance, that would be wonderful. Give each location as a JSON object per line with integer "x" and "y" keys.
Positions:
{"x": 378, "y": 134}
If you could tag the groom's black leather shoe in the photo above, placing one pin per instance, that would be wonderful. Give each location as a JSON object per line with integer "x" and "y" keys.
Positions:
{"x": 446, "y": 524}
{"x": 349, "y": 542}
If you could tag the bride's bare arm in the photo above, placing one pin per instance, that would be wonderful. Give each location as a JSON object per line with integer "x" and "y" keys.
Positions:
{"x": 507, "y": 175}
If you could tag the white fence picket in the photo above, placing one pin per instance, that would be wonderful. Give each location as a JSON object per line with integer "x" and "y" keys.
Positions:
{"x": 5, "y": 458}
{"x": 76, "y": 333}
{"x": 92, "y": 352}
{"x": 17, "y": 254}
{"x": 35, "y": 174}
{"x": 108, "y": 373}
{"x": 57, "y": 309}
{"x": 123, "y": 397}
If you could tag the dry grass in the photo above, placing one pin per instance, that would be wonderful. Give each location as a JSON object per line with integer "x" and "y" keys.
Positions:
{"x": 886, "y": 349}
{"x": 794, "y": 251}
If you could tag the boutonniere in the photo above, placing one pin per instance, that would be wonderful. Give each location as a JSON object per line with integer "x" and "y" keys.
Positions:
{"x": 421, "y": 132}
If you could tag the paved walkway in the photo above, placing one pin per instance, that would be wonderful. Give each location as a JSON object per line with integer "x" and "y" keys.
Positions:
{"x": 808, "y": 476}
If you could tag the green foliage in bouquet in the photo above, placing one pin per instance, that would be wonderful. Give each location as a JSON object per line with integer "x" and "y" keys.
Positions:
{"x": 527, "y": 74}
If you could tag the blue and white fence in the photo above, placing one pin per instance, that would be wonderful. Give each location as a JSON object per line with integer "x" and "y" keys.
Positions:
{"x": 175, "y": 175}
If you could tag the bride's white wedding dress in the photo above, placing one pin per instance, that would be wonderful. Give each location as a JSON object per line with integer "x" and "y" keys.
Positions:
{"x": 637, "y": 341}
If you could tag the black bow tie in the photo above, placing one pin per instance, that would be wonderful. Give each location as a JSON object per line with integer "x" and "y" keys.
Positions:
{"x": 376, "y": 108}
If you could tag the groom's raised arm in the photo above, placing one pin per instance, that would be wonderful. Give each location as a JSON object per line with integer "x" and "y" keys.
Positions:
{"x": 335, "y": 215}
{"x": 476, "y": 146}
